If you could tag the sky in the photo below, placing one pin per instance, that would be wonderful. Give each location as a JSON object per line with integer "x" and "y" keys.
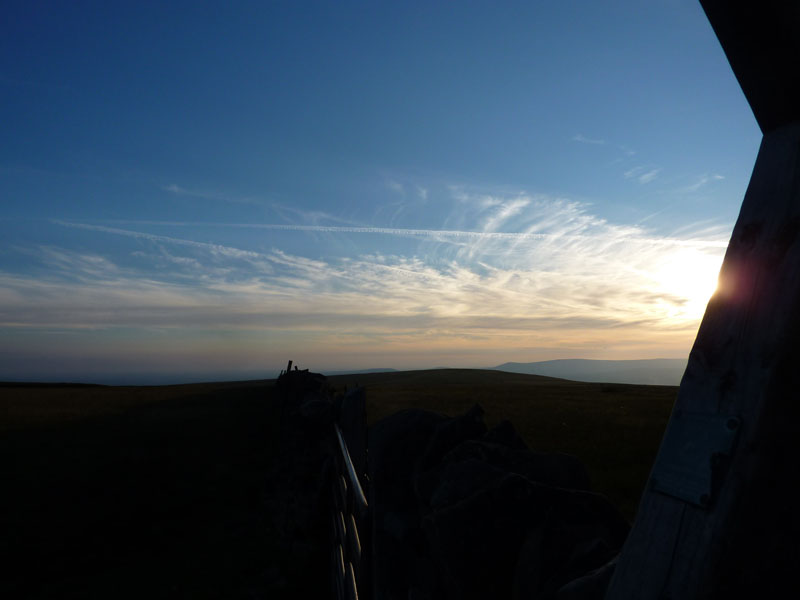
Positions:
{"x": 199, "y": 191}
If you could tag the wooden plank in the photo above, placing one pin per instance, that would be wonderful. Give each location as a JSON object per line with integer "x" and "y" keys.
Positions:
{"x": 745, "y": 363}
{"x": 762, "y": 43}
{"x": 359, "y": 498}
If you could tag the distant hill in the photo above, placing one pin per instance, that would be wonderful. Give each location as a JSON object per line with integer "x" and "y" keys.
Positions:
{"x": 657, "y": 371}
{"x": 359, "y": 372}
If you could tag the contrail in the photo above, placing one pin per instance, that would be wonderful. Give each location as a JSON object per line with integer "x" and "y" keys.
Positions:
{"x": 424, "y": 233}
{"x": 229, "y": 250}
{"x": 452, "y": 233}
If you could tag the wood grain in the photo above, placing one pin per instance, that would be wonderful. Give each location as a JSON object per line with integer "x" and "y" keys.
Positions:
{"x": 745, "y": 363}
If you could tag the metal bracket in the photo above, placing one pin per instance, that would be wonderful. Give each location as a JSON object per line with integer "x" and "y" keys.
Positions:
{"x": 693, "y": 456}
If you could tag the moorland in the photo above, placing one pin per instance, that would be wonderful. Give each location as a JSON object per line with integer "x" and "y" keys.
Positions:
{"x": 165, "y": 491}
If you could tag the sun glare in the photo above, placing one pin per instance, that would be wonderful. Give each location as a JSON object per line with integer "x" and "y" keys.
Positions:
{"x": 688, "y": 278}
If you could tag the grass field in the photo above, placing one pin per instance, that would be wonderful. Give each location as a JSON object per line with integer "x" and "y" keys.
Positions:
{"x": 157, "y": 492}
{"x": 147, "y": 492}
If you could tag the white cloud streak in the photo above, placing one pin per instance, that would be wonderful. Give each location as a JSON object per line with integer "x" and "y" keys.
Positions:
{"x": 702, "y": 181}
{"x": 208, "y": 195}
{"x": 396, "y": 187}
{"x": 585, "y": 140}
{"x": 643, "y": 175}
{"x": 649, "y": 176}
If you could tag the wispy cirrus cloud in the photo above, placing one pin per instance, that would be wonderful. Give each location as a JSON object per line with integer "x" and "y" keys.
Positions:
{"x": 209, "y": 195}
{"x": 585, "y": 140}
{"x": 648, "y": 176}
{"x": 555, "y": 240}
{"x": 396, "y": 187}
{"x": 378, "y": 292}
{"x": 623, "y": 148}
{"x": 702, "y": 181}
{"x": 643, "y": 175}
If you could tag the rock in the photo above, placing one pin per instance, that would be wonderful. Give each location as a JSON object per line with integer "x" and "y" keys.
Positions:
{"x": 588, "y": 516}
{"x": 592, "y": 586}
{"x": 582, "y": 532}
{"x": 302, "y": 551}
{"x": 588, "y": 555}
{"x": 424, "y": 584}
{"x": 317, "y": 415}
{"x": 396, "y": 444}
{"x": 446, "y": 436}
{"x": 455, "y": 481}
{"x": 528, "y": 577}
{"x": 461, "y": 512}
{"x": 504, "y": 434}
{"x": 450, "y": 433}
{"x": 273, "y": 579}
{"x": 513, "y": 535}
{"x": 559, "y": 470}
{"x": 477, "y": 541}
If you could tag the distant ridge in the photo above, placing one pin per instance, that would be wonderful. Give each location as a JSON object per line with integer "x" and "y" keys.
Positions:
{"x": 657, "y": 371}
{"x": 360, "y": 372}
{"x": 47, "y": 384}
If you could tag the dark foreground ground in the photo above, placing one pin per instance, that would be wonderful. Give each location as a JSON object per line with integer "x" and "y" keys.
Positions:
{"x": 614, "y": 429}
{"x": 159, "y": 492}
{"x": 179, "y": 491}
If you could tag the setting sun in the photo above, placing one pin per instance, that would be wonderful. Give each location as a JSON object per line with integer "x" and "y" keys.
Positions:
{"x": 689, "y": 278}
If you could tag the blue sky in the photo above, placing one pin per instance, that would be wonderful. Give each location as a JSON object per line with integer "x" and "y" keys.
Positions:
{"x": 203, "y": 190}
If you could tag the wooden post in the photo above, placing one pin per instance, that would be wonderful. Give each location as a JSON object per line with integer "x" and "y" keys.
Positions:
{"x": 718, "y": 518}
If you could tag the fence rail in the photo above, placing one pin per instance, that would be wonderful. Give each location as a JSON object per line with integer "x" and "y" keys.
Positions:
{"x": 350, "y": 509}
{"x": 350, "y": 534}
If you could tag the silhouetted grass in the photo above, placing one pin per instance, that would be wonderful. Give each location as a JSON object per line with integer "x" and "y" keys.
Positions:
{"x": 137, "y": 492}
{"x": 129, "y": 492}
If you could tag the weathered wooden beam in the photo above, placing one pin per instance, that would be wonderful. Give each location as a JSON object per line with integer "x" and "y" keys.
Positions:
{"x": 762, "y": 42}
{"x": 718, "y": 518}
{"x": 744, "y": 539}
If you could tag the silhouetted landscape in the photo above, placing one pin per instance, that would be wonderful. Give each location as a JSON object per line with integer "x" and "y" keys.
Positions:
{"x": 185, "y": 491}
{"x": 194, "y": 194}
{"x": 656, "y": 371}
